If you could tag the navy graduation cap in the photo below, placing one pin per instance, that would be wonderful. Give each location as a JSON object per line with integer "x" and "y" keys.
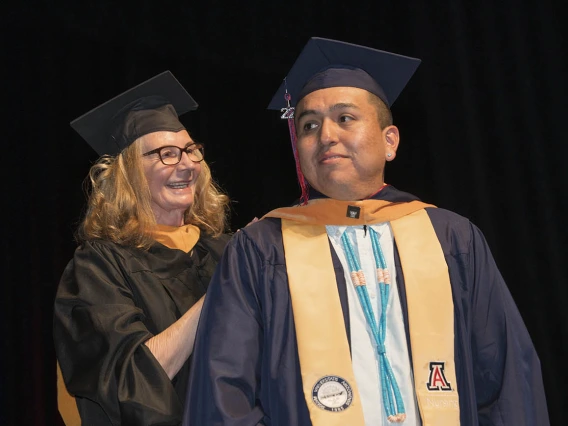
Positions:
{"x": 325, "y": 63}
{"x": 151, "y": 106}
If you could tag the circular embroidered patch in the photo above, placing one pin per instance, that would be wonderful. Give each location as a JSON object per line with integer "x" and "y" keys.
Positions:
{"x": 332, "y": 393}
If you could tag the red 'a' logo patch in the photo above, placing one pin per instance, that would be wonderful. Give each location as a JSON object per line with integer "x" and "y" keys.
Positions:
{"x": 437, "y": 380}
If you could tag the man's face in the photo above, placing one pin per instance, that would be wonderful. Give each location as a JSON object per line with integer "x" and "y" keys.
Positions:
{"x": 341, "y": 145}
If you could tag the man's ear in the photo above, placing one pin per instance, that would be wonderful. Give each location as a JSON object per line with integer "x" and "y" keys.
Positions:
{"x": 392, "y": 139}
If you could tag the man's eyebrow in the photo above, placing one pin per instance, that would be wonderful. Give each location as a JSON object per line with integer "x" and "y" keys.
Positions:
{"x": 306, "y": 112}
{"x": 332, "y": 108}
{"x": 342, "y": 105}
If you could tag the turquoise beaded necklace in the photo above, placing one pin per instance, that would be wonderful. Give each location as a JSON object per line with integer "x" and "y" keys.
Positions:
{"x": 392, "y": 398}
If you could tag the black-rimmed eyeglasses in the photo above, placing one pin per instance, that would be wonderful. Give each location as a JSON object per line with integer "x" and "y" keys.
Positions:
{"x": 171, "y": 155}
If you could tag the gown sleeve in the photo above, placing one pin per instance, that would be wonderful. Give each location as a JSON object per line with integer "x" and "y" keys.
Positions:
{"x": 226, "y": 369}
{"x": 99, "y": 335}
{"x": 507, "y": 373}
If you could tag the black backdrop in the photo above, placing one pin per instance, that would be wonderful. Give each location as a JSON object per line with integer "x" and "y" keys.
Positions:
{"x": 482, "y": 125}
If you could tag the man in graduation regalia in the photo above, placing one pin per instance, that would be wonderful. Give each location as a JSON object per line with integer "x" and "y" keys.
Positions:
{"x": 362, "y": 305}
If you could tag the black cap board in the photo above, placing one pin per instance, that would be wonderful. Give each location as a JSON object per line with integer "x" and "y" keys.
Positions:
{"x": 151, "y": 106}
{"x": 325, "y": 63}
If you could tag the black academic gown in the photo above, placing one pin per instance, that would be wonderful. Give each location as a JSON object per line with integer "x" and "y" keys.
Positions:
{"x": 246, "y": 368}
{"x": 110, "y": 300}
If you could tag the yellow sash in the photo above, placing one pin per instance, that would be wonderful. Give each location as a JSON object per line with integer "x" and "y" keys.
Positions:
{"x": 328, "y": 379}
{"x": 320, "y": 330}
{"x": 430, "y": 319}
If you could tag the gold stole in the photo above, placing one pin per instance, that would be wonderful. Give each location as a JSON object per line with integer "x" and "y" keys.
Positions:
{"x": 325, "y": 362}
{"x": 175, "y": 237}
{"x": 66, "y": 402}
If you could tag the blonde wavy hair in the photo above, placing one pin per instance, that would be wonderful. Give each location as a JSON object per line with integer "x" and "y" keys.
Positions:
{"x": 119, "y": 202}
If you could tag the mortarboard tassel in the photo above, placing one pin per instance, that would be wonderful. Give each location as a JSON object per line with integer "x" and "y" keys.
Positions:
{"x": 289, "y": 115}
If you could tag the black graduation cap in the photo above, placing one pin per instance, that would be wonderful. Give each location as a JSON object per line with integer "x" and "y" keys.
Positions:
{"x": 327, "y": 63}
{"x": 152, "y": 106}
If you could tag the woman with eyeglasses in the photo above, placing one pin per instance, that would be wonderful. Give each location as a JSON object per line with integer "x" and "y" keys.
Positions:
{"x": 128, "y": 303}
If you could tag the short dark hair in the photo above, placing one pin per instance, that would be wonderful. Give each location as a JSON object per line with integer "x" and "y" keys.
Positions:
{"x": 383, "y": 111}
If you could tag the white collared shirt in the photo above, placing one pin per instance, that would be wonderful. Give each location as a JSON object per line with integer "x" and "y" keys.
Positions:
{"x": 364, "y": 357}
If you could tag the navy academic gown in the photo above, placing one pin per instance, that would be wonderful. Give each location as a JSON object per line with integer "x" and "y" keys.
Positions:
{"x": 246, "y": 368}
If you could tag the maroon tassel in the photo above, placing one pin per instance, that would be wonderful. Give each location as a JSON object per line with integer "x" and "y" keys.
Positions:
{"x": 301, "y": 178}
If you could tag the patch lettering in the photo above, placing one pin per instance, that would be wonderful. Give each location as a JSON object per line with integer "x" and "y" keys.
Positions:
{"x": 437, "y": 380}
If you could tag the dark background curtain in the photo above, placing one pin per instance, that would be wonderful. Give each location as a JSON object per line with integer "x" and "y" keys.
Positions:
{"x": 482, "y": 133}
